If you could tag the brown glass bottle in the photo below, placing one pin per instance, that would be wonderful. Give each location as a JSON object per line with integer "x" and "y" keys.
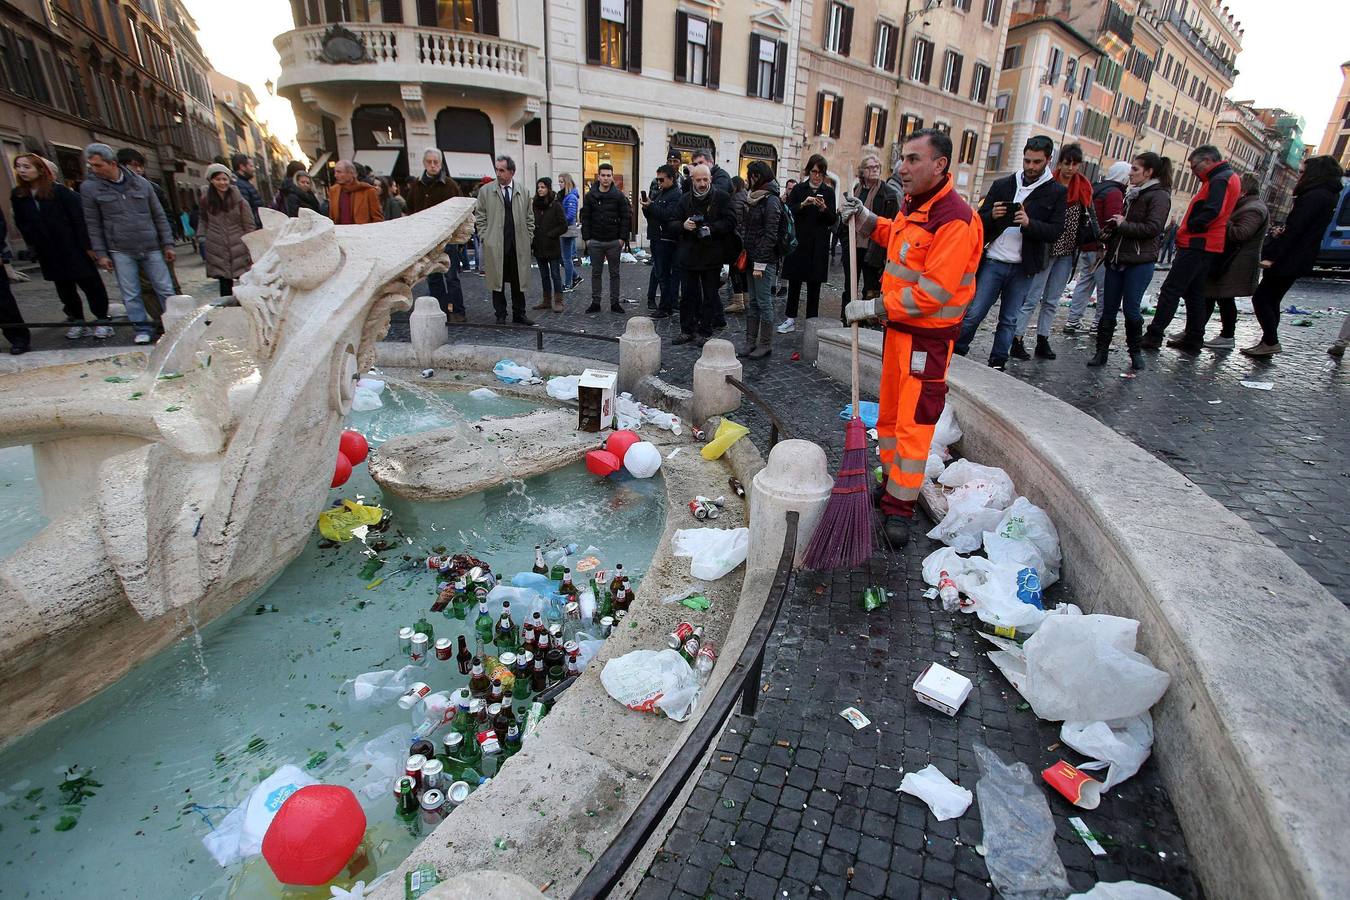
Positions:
{"x": 479, "y": 685}
{"x": 539, "y": 676}
{"x": 464, "y": 657}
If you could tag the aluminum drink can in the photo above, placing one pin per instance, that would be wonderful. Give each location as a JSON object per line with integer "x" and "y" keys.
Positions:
{"x": 400, "y": 782}
{"x": 444, "y": 649}
{"x": 675, "y": 640}
{"x": 458, "y": 793}
{"x": 413, "y": 768}
{"x": 606, "y": 625}
{"x": 433, "y": 803}
{"x": 418, "y": 653}
{"x": 405, "y": 636}
{"x": 712, "y": 509}
{"x": 698, "y": 434}
{"x": 573, "y": 611}
{"x": 698, "y": 509}
{"x": 433, "y": 774}
{"x": 452, "y": 745}
{"x": 415, "y": 693}
{"x": 434, "y": 563}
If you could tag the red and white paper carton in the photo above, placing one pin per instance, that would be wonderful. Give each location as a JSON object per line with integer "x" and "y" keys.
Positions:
{"x": 942, "y": 689}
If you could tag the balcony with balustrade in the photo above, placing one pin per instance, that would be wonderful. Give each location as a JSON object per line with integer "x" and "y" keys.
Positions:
{"x": 356, "y": 53}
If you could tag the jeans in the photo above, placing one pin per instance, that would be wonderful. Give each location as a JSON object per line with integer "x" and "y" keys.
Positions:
{"x": 995, "y": 279}
{"x": 812, "y": 298}
{"x": 664, "y": 276}
{"x": 1125, "y": 286}
{"x": 97, "y": 294}
{"x": 1091, "y": 276}
{"x": 699, "y": 305}
{"x": 604, "y": 252}
{"x": 1047, "y": 286}
{"x": 550, "y": 275}
{"x": 478, "y": 254}
{"x": 1186, "y": 279}
{"x": 569, "y": 252}
{"x": 1266, "y": 304}
{"x": 445, "y": 286}
{"x": 761, "y": 293}
{"x": 129, "y": 267}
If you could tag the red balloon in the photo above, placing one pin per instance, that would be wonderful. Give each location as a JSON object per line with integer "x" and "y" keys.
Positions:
{"x": 602, "y": 463}
{"x": 354, "y": 446}
{"x": 314, "y": 834}
{"x": 620, "y": 441}
{"x": 342, "y": 471}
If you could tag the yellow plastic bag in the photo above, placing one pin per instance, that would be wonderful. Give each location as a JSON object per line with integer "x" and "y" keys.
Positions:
{"x": 338, "y": 523}
{"x": 728, "y": 433}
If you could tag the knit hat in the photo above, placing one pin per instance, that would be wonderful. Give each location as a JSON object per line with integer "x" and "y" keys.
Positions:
{"x": 217, "y": 168}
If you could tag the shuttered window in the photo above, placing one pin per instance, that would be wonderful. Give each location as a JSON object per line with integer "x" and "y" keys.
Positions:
{"x": 829, "y": 114}
{"x": 766, "y": 70}
{"x": 614, "y": 34}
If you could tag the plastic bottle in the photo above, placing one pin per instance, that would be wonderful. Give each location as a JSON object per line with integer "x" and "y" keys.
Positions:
{"x": 951, "y": 597}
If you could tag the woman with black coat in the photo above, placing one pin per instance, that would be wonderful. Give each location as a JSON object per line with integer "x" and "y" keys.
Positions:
{"x": 1292, "y": 250}
{"x": 298, "y": 193}
{"x": 49, "y": 216}
{"x": 812, "y": 203}
{"x": 1131, "y": 253}
{"x": 550, "y": 224}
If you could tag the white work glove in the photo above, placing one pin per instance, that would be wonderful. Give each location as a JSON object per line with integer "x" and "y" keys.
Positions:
{"x": 864, "y": 219}
{"x": 863, "y": 310}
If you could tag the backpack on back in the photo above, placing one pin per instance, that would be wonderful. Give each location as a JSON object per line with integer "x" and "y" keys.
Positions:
{"x": 787, "y": 232}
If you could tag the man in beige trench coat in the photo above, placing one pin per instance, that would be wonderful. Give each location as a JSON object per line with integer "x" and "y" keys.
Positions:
{"x": 505, "y": 219}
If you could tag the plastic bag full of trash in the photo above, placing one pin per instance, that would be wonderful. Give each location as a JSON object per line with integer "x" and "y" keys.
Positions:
{"x": 991, "y": 483}
{"x": 511, "y": 373}
{"x": 651, "y": 681}
{"x": 1025, "y": 536}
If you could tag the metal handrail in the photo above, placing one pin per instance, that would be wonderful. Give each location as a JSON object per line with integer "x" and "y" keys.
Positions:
{"x": 776, "y": 427}
{"x": 743, "y": 682}
{"x": 540, "y": 331}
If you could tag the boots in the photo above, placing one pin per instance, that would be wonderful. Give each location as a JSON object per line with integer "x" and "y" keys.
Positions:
{"x": 545, "y": 302}
{"x": 737, "y": 304}
{"x": 1104, "y": 333}
{"x": 897, "y": 531}
{"x": 557, "y": 302}
{"x": 1019, "y": 350}
{"x": 765, "y": 346}
{"x": 1134, "y": 334}
{"x": 1043, "y": 347}
{"x": 751, "y": 336}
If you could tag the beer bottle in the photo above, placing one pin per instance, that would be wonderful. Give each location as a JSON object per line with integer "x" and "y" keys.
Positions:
{"x": 524, "y": 662}
{"x": 526, "y": 638}
{"x": 511, "y": 746}
{"x": 422, "y": 746}
{"x": 464, "y": 658}
{"x": 506, "y": 717}
{"x": 479, "y": 686}
{"x": 444, "y": 594}
{"x": 623, "y": 599}
{"x": 483, "y": 624}
{"x": 422, "y": 626}
{"x": 407, "y": 796}
{"x": 617, "y": 581}
{"x": 556, "y": 573}
{"x": 462, "y": 723}
{"x": 540, "y": 567}
{"x": 736, "y": 486}
{"x": 506, "y": 630}
{"x": 539, "y": 676}
{"x": 538, "y": 622}
{"x": 568, "y": 589}
{"x": 541, "y": 643}
{"x": 496, "y": 691}
{"x": 690, "y": 649}
{"x": 556, "y": 655}
{"x": 461, "y": 600}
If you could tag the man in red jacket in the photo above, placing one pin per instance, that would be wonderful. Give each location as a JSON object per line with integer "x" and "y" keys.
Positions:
{"x": 1200, "y": 241}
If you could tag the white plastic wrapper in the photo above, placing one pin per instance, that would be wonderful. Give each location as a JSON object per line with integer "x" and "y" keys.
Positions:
{"x": 483, "y": 394}
{"x": 563, "y": 387}
{"x": 372, "y": 689}
{"x": 652, "y": 681}
{"x": 946, "y": 799}
{"x": 946, "y": 432}
{"x": 933, "y": 468}
{"x": 1025, "y": 536}
{"x": 713, "y": 552}
{"x": 240, "y": 834}
{"x": 365, "y": 400}
{"x": 1124, "y": 890}
{"x": 1120, "y": 747}
{"x": 968, "y": 518}
{"x": 1085, "y": 669}
{"x": 967, "y": 478}
{"x": 374, "y": 385}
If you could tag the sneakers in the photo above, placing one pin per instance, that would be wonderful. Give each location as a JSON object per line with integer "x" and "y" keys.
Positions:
{"x": 102, "y": 332}
{"x": 788, "y": 326}
{"x": 143, "y": 338}
{"x": 1219, "y": 343}
{"x": 1073, "y": 328}
{"x": 1262, "y": 349}
{"x": 78, "y": 331}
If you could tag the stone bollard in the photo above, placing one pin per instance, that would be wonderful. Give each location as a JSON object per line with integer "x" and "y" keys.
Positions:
{"x": 426, "y": 325}
{"x": 178, "y": 309}
{"x": 639, "y": 353}
{"x": 811, "y": 336}
{"x": 796, "y": 477}
{"x": 712, "y": 395}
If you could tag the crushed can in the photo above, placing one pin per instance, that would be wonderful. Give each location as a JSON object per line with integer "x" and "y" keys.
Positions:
{"x": 698, "y": 509}
{"x": 873, "y": 598}
{"x": 675, "y": 640}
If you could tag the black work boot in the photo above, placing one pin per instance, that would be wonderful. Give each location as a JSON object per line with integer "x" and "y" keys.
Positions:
{"x": 1043, "y": 347}
{"x": 1134, "y": 340}
{"x": 897, "y": 531}
{"x": 616, "y": 307}
{"x": 594, "y": 307}
{"x": 1019, "y": 350}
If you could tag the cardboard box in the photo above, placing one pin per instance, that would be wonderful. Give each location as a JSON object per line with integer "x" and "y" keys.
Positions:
{"x": 595, "y": 400}
{"x": 942, "y": 689}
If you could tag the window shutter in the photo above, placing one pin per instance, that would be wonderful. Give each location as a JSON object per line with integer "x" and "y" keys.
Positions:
{"x": 391, "y": 12}
{"x": 714, "y": 79}
{"x": 820, "y": 112}
{"x": 487, "y": 17}
{"x": 592, "y": 31}
{"x": 838, "y": 119}
{"x": 927, "y": 62}
{"x": 889, "y": 61}
{"x": 956, "y": 73}
{"x": 752, "y": 70}
{"x": 780, "y": 71}
{"x": 846, "y": 39}
{"x": 867, "y": 126}
{"x": 634, "y": 40}
{"x": 681, "y": 46}
{"x": 881, "y": 128}
{"x": 297, "y": 13}
{"x": 426, "y": 15}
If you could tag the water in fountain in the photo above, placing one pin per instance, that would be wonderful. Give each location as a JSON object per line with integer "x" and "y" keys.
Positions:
{"x": 20, "y": 498}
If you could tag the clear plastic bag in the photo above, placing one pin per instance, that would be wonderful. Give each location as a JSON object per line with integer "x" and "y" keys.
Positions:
{"x": 1019, "y": 834}
{"x": 240, "y": 834}
{"x": 968, "y": 518}
{"x": 509, "y": 372}
{"x": 483, "y": 394}
{"x": 370, "y": 690}
{"x": 1120, "y": 747}
{"x": 651, "y": 681}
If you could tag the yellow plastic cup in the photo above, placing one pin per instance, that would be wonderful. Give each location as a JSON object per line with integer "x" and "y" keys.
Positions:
{"x": 728, "y": 433}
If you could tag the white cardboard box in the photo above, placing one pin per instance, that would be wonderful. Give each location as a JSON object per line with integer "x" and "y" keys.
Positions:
{"x": 595, "y": 400}
{"x": 942, "y": 689}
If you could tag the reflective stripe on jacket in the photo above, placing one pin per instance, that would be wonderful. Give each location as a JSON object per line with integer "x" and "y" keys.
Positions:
{"x": 932, "y": 252}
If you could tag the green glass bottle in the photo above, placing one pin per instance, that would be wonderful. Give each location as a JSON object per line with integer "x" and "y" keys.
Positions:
{"x": 422, "y": 626}
{"x": 483, "y": 625}
{"x": 462, "y": 600}
{"x": 556, "y": 573}
{"x": 505, "y": 635}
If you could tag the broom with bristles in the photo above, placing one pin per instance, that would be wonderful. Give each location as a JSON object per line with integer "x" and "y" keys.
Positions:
{"x": 844, "y": 535}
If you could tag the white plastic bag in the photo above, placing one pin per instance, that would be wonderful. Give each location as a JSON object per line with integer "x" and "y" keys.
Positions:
{"x": 946, "y": 799}
{"x": 945, "y": 559}
{"x": 946, "y": 432}
{"x": 240, "y": 835}
{"x": 374, "y": 385}
{"x": 1124, "y": 890}
{"x": 714, "y": 551}
{"x": 651, "y": 680}
{"x": 1085, "y": 669}
{"x": 1122, "y": 745}
{"x": 563, "y": 387}
{"x": 483, "y": 394}
{"x": 520, "y": 598}
{"x": 933, "y": 468}
{"x": 627, "y": 413}
{"x": 364, "y": 400}
{"x": 586, "y": 650}
{"x": 508, "y": 371}
{"x": 967, "y": 478}
{"x": 1026, "y": 536}
{"x": 967, "y": 519}
{"x": 376, "y": 689}
{"x": 1002, "y": 594}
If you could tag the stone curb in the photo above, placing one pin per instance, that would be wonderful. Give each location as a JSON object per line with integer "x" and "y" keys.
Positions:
{"x": 1254, "y": 723}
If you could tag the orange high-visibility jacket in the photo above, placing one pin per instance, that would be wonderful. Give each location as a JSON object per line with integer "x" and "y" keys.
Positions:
{"x": 932, "y": 252}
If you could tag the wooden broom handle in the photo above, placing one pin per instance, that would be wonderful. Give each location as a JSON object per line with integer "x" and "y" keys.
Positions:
{"x": 852, "y": 292}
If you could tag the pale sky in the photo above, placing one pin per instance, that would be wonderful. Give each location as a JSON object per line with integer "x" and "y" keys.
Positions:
{"x": 1291, "y": 53}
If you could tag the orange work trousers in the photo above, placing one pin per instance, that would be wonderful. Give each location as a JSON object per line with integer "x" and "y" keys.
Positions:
{"x": 913, "y": 393}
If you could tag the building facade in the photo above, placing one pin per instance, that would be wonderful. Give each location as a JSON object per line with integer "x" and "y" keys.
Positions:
{"x": 1336, "y": 139}
{"x": 1047, "y": 86}
{"x": 1286, "y": 131}
{"x": 200, "y": 135}
{"x": 1244, "y": 140}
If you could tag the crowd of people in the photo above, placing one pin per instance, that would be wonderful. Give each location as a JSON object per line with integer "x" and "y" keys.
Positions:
{"x": 723, "y": 245}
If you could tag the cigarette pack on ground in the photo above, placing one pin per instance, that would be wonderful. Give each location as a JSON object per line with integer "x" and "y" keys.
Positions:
{"x": 942, "y": 689}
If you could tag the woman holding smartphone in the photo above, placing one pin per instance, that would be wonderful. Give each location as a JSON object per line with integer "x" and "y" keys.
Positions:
{"x": 814, "y": 212}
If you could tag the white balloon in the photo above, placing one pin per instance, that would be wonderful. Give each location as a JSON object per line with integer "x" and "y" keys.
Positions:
{"x": 642, "y": 460}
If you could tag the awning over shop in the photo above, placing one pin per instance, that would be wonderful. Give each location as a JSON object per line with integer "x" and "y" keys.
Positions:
{"x": 381, "y": 162}
{"x": 475, "y": 166}
{"x": 319, "y": 164}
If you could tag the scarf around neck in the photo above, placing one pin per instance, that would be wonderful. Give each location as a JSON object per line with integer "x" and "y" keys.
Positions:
{"x": 1131, "y": 192}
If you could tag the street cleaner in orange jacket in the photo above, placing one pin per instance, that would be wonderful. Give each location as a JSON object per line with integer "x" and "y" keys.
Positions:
{"x": 933, "y": 248}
